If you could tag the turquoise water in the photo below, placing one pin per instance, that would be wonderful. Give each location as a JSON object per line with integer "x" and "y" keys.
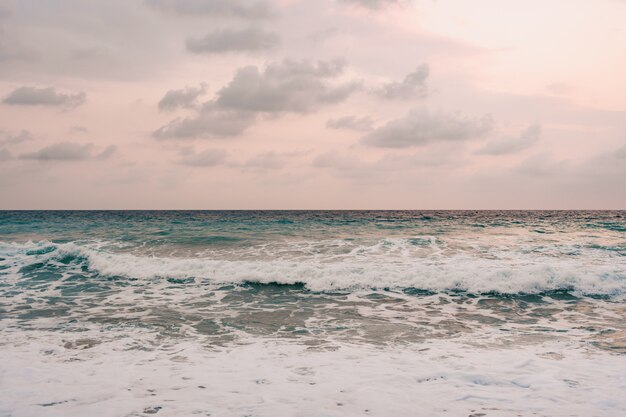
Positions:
{"x": 91, "y": 285}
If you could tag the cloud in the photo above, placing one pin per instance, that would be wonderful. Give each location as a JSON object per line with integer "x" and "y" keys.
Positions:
{"x": 251, "y": 39}
{"x": 413, "y": 85}
{"x": 34, "y": 96}
{"x": 505, "y": 146}
{"x": 207, "y": 158}
{"x": 23, "y": 136}
{"x": 266, "y": 161}
{"x": 422, "y": 126}
{"x": 183, "y": 98}
{"x": 107, "y": 152}
{"x": 287, "y": 86}
{"x": 371, "y": 4}
{"x": 247, "y": 9}
{"x": 211, "y": 121}
{"x": 361, "y": 124}
{"x": 64, "y": 151}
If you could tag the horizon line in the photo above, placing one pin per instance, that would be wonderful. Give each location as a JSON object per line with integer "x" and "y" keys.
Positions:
{"x": 319, "y": 209}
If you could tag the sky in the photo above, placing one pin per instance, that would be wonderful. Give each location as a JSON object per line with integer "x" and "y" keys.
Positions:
{"x": 312, "y": 104}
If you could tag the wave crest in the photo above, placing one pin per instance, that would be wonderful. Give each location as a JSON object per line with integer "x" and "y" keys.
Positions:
{"x": 459, "y": 272}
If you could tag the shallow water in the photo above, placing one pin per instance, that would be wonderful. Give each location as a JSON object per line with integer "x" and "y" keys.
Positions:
{"x": 312, "y": 313}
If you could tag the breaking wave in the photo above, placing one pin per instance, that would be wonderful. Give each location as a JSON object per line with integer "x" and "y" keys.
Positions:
{"x": 515, "y": 273}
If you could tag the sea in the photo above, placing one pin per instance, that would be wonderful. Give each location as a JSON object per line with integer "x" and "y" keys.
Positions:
{"x": 312, "y": 313}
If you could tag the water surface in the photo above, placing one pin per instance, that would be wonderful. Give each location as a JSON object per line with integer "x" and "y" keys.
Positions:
{"x": 286, "y": 313}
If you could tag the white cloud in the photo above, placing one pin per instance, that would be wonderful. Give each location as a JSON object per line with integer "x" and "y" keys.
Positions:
{"x": 184, "y": 98}
{"x": 283, "y": 87}
{"x": 211, "y": 121}
{"x": 287, "y": 86}
{"x": 412, "y": 86}
{"x": 107, "y": 152}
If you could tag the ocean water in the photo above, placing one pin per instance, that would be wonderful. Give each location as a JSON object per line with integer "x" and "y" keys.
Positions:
{"x": 313, "y": 313}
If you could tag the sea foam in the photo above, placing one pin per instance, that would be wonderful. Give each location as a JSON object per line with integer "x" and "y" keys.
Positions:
{"x": 273, "y": 378}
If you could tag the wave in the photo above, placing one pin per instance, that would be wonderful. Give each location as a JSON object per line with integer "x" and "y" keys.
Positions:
{"x": 523, "y": 273}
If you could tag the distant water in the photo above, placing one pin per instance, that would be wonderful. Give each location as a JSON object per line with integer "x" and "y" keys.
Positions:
{"x": 312, "y": 313}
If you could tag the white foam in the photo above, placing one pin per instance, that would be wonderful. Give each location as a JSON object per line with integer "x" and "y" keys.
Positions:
{"x": 466, "y": 272}
{"x": 515, "y": 273}
{"x": 41, "y": 377}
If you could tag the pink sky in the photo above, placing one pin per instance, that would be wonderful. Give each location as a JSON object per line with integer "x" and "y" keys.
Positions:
{"x": 302, "y": 104}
